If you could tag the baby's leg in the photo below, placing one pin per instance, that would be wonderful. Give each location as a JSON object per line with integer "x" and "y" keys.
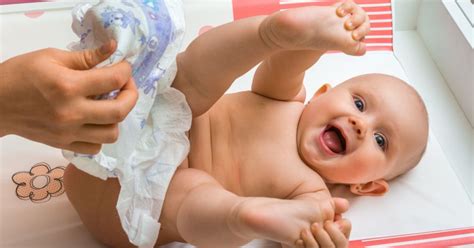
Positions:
{"x": 95, "y": 200}
{"x": 206, "y": 215}
{"x": 198, "y": 209}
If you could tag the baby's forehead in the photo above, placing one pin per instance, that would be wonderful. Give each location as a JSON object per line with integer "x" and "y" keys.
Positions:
{"x": 377, "y": 82}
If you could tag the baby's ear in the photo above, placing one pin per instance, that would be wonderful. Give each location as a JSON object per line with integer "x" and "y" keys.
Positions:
{"x": 323, "y": 89}
{"x": 374, "y": 188}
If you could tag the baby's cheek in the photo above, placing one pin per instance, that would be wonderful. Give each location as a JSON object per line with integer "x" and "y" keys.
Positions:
{"x": 364, "y": 166}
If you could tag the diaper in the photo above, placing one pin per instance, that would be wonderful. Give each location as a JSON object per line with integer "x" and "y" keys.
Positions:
{"x": 153, "y": 139}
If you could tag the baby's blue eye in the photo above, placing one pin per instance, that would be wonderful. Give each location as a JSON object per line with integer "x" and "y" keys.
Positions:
{"x": 359, "y": 104}
{"x": 380, "y": 139}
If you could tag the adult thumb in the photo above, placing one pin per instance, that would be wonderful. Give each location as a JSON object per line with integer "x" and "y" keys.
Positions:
{"x": 88, "y": 59}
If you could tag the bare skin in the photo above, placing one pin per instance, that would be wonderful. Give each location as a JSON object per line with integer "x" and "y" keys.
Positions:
{"x": 45, "y": 96}
{"x": 245, "y": 158}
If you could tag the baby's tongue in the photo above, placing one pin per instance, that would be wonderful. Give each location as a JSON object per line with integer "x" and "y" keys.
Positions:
{"x": 331, "y": 139}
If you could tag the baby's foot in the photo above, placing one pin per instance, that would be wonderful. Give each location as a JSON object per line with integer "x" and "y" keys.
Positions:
{"x": 278, "y": 220}
{"x": 340, "y": 27}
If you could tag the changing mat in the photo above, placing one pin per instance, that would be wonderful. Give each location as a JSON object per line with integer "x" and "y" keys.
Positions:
{"x": 428, "y": 198}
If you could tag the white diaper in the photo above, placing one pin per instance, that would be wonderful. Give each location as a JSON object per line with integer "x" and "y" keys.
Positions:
{"x": 152, "y": 140}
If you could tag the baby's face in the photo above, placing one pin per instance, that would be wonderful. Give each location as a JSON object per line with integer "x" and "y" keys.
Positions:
{"x": 368, "y": 128}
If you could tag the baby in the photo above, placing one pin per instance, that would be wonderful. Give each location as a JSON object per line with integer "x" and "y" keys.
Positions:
{"x": 259, "y": 159}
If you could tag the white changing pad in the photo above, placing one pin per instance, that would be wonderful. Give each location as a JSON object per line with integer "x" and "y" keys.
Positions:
{"x": 430, "y": 197}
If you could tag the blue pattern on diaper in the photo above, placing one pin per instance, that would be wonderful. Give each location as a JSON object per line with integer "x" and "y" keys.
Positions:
{"x": 146, "y": 69}
{"x": 119, "y": 17}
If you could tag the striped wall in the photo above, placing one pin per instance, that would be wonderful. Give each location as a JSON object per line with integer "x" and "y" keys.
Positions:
{"x": 380, "y": 37}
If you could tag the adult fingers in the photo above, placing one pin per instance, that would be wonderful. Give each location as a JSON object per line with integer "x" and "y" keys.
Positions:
{"x": 88, "y": 59}
{"x": 113, "y": 110}
{"x": 84, "y": 147}
{"x": 99, "y": 134}
{"x": 102, "y": 80}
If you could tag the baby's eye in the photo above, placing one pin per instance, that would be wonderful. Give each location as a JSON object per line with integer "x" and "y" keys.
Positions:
{"x": 380, "y": 139}
{"x": 359, "y": 103}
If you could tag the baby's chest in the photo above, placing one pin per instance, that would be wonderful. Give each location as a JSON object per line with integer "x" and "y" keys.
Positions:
{"x": 274, "y": 169}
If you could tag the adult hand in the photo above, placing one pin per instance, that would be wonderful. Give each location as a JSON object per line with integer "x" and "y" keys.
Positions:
{"x": 48, "y": 96}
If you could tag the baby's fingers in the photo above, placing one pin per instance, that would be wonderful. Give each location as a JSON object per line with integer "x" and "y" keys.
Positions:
{"x": 322, "y": 237}
{"x": 308, "y": 239}
{"x": 337, "y": 236}
{"x": 345, "y": 226}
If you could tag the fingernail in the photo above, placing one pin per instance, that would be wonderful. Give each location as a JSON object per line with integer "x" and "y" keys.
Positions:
{"x": 314, "y": 226}
{"x": 349, "y": 24}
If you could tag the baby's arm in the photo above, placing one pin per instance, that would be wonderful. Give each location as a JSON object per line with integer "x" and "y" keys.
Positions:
{"x": 207, "y": 215}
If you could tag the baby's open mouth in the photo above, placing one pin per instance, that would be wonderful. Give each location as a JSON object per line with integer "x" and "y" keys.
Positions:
{"x": 334, "y": 139}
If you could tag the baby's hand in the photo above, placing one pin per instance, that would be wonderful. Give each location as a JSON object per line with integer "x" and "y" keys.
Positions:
{"x": 332, "y": 234}
{"x": 342, "y": 27}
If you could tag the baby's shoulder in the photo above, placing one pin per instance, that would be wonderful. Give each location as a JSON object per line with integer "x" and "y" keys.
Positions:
{"x": 310, "y": 182}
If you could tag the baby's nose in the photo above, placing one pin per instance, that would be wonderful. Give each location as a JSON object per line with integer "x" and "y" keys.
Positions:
{"x": 359, "y": 126}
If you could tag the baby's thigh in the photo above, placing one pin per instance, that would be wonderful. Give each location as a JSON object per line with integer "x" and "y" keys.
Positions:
{"x": 182, "y": 184}
{"x": 95, "y": 200}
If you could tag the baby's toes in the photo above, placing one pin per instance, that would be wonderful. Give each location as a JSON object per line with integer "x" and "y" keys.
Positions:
{"x": 360, "y": 33}
{"x": 346, "y": 8}
{"x": 357, "y": 18}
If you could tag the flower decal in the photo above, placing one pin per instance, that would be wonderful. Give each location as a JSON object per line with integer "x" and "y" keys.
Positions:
{"x": 40, "y": 183}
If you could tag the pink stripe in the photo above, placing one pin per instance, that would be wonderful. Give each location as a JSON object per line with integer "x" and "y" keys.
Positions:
{"x": 247, "y": 8}
{"x": 380, "y": 32}
{"x": 387, "y": 24}
{"x": 356, "y": 244}
{"x": 380, "y": 17}
{"x": 440, "y": 243}
{"x": 371, "y": 1}
{"x": 298, "y": 5}
{"x": 369, "y": 49}
{"x": 419, "y": 236}
{"x": 380, "y": 48}
{"x": 378, "y": 8}
{"x": 378, "y": 40}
